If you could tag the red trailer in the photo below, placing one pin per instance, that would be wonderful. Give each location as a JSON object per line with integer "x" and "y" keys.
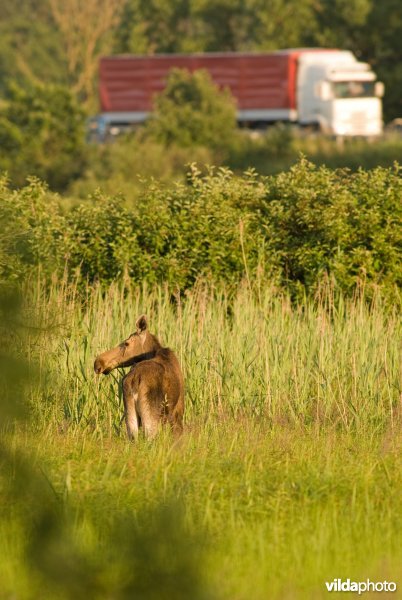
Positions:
{"x": 264, "y": 85}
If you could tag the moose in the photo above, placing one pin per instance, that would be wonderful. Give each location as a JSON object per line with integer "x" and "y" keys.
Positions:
{"x": 153, "y": 389}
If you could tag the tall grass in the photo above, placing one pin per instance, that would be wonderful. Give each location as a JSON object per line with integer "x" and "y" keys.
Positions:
{"x": 323, "y": 361}
{"x": 288, "y": 473}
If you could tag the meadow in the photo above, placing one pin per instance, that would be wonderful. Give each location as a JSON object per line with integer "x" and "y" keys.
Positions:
{"x": 288, "y": 474}
{"x": 270, "y": 261}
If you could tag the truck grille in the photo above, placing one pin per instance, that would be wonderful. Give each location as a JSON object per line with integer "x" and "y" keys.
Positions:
{"x": 359, "y": 122}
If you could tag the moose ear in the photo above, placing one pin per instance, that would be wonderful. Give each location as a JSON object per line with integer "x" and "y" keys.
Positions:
{"x": 141, "y": 323}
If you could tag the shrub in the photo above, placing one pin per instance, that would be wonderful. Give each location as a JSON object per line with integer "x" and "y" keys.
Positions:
{"x": 32, "y": 230}
{"x": 318, "y": 221}
{"x": 128, "y": 162}
{"x": 296, "y": 227}
{"x": 193, "y": 111}
{"x": 42, "y": 134}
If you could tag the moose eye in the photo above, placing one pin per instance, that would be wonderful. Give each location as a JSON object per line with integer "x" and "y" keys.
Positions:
{"x": 126, "y": 344}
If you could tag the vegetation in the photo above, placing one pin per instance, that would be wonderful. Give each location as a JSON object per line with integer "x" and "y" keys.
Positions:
{"x": 280, "y": 147}
{"x": 294, "y": 228}
{"x": 288, "y": 474}
{"x": 42, "y": 133}
{"x": 192, "y": 111}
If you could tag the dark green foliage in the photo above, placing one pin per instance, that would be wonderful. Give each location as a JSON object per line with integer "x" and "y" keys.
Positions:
{"x": 152, "y": 558}
{"x": 157, "y": 26}
{"x": 382, "y": 47}
{"x": 317, "y": 221}
{"x": 42, "y": 134}
{"x": 192, "y": 111}
{"x": 31, "y": 51}
{"x": 297, "y": 227}
{"x": 31, "y": 230}
{"x": 213, "y": 25}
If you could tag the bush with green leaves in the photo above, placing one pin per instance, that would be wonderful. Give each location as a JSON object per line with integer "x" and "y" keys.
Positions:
{"x": 295, "y": 228}
{"x": 32, "y": 230}
{"x": 127, "y": 163}
{"x": 192, "y": 111}
{"x": 316, "y": 221}
{"x": 42, "y": 134}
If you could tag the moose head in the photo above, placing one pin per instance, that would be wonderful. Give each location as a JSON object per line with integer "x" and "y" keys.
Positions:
{"x": 138, "y": 346}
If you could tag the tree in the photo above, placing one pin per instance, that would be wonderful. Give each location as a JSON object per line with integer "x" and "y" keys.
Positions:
{"x": 341, "y": 24}
{"x": 86, "y": 29}
{"x": 151, "y": 26}
{"x": 239, "y": 25}
{"x": 30, "y": 49}
{"x": 382, "y": 47}
{"x": 192, "y": 111}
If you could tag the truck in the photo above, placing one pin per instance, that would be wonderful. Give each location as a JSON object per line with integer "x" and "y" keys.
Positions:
{"x": 325, "y": 89}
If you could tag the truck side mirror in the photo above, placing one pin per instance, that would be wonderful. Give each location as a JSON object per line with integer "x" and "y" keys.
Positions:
{"x": 323, "y": 90}
{"x": 379, "y": 89}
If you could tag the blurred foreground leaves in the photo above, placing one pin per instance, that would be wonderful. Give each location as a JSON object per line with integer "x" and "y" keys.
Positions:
{"x": 123, "y": 554}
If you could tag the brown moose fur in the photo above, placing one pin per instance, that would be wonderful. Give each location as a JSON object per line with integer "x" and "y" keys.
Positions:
{"x": 153, "y": 389}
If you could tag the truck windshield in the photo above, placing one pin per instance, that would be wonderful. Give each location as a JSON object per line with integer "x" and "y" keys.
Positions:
{"x": 353, "y": 89}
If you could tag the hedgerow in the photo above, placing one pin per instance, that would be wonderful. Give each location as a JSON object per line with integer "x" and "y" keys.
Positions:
{"x": 295, "y": 228}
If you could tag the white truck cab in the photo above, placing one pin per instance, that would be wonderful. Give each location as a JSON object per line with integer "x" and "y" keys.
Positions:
{"x": 339, "y": 93}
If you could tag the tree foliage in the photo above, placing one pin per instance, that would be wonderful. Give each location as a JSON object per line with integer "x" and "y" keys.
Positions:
{"x": 31, "y": 51}
{"x": 192, "y": 111}
{"x": 212, "y": 25}
{"x": 84, "y": 30}
{"x": 42, "y": 132}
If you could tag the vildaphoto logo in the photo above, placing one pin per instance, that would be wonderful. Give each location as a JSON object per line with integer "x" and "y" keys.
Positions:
{"x": 339, "y": 585}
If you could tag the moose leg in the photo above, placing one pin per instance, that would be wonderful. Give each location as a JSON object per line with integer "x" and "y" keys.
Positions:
{"x": 131, "y": 418}
{"x": 150, "y": 418}
{"x": 130, "y": 410}
{"x": 151, "y": 425}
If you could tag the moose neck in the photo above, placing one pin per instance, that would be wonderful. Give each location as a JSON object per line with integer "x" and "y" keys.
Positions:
{"x": 145, "y": 356}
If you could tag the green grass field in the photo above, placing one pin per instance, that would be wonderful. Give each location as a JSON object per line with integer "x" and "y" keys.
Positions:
{"x": 288, "y": 475}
